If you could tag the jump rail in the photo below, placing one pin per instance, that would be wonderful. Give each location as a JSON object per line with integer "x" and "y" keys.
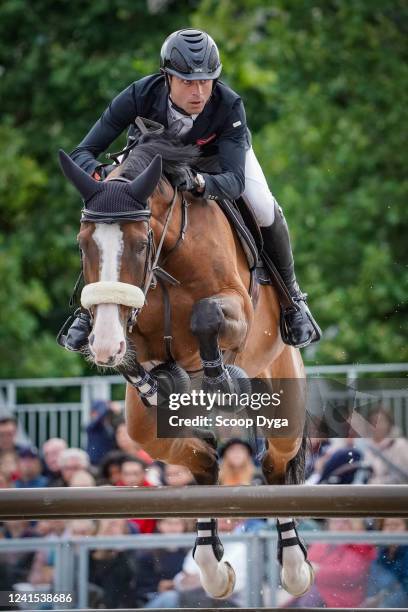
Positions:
{"x": 230, "y": 610}
{"x": 319, "y": 501}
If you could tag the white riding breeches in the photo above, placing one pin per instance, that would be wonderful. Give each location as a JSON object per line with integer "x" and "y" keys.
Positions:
{"x": 257, "y": 192}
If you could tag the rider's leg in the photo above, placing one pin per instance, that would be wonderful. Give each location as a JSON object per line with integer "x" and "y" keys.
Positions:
{"x": 300, "y": 325}
{"x": 76, "y": 337}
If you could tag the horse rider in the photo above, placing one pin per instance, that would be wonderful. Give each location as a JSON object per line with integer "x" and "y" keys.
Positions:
{"x": 188, "y": 96}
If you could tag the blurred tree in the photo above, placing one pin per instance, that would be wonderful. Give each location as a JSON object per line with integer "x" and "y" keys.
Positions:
{"x": 324, "y": 83}
{"x": 325, "y": 86}
{"x": 60, "y": 65}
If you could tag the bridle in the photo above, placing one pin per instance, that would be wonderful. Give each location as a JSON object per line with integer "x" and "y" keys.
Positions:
{"x": 152, "y": 269}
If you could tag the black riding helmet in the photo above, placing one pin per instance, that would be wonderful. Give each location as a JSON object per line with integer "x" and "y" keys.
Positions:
{"x": 190, "y": 55}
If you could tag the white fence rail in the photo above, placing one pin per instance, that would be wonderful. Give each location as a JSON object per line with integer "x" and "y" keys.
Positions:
{"x": 42, "y": 419}
{"x": 71, "y": 554}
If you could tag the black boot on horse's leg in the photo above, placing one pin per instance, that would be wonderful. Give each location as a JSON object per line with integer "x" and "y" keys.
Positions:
{"x": 298, "y": 326}
{"x": 77, "y": 335}
{"x": 297, "y": 573}
{"x": 206, "y": 321}
{"x": 217, "y": 576}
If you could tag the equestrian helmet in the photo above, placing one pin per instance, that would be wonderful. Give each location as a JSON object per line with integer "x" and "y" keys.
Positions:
{"x": 191, "y": 55}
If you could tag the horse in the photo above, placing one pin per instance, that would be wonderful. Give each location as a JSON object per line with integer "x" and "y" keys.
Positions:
{"x": 152, "y": 257}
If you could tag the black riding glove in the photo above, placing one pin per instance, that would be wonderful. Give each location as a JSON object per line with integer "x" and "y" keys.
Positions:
{"x": 103, "y": 170}
{"x": 187, "y": 181}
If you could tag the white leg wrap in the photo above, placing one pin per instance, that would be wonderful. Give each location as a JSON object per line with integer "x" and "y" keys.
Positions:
{"x": 217, "y": 577}
{"x": 297, "y": 574}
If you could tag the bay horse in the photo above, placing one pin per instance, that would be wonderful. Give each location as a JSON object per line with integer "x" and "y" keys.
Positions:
{"x": 134, "y": 224}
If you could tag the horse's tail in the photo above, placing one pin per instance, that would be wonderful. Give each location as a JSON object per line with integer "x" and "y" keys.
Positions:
{"x": 295, "y": 472}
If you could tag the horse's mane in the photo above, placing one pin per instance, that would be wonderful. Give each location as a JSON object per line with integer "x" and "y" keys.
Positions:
{"x": 176, "y": 156}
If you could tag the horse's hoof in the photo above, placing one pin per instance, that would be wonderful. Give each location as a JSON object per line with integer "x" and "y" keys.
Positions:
{"x": 231, "y": 579}
{"x": 303, "y": 589}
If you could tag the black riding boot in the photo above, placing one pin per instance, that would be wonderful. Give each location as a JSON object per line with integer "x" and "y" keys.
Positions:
{"x": 76, "y": 337}
{"x": 298, "y": 327}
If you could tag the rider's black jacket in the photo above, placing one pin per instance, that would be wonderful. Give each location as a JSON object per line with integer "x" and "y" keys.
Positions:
{"x": 219, "y": 130}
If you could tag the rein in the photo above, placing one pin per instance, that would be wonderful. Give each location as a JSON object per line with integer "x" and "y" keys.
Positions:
{"x": 154, "y": 269}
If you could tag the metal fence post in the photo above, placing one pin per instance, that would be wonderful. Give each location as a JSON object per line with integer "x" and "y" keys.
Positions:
{"x": 82, "y": 575}
{"x": 273, "y": 569}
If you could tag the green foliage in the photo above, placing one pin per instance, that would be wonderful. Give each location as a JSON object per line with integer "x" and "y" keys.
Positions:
{"x": 60, "y": 65}
{"x": 325, "y": 87}
{"x": 324, "y": 84}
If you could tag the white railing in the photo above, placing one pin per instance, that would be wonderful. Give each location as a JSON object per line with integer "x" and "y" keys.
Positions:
{"x": 68, "y": 419}
{"x": 71, "y": 566}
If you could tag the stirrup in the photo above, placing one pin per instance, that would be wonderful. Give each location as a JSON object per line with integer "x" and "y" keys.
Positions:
{"x": 285, "y": 329}
{"x": 212, "y": 540}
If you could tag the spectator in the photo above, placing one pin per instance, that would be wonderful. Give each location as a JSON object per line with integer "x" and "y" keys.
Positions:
{"x": 111, "y": 466}
{"x": 80, "y": 528}
{"x": 71, "y": 460}
{"x": 18, "y": 563}
{"x": 129, "y": 446}
{"x": 237, "y": 465}
{"x": 100, "y": 430}
{"x": 45, "y": 528}
{"x": 51, "y": 452}
{"x": 115, "y": 571}
{"x": 341, "y": 570}
{"x": 8, "y": 467}
{"x": 82, "y": 478}
{"x": 158, "y": 567}
{"x": 388, "y": 581}
{"x": 341, "y": 466}
{"x": 29, "y": 469}
{"x": 177, "y": 475}
{"x": 4, "y": 483}
{"x": 133, "y": 474}
{"x": 42, "y": 568}
{"x": 317, "y": 449}
{"x": 8, "y": 435}
{"x": 188, "y": 591}
{"x": 386, "y": 450}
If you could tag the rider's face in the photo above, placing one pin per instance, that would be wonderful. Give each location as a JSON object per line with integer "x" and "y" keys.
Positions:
{"x": 191, "y": 96}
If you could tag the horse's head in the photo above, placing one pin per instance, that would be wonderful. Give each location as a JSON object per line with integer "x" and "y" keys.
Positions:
{"x": 116, "y": 243}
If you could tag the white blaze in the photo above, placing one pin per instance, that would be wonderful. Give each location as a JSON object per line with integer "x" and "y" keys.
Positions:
{"x": 107, "y": 330}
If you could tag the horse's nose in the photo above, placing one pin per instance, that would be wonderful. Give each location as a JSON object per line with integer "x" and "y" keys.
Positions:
{"x": 107, "y": 357}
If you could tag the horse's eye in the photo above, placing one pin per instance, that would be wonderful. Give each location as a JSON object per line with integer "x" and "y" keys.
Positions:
{"x": 140, "y": 246}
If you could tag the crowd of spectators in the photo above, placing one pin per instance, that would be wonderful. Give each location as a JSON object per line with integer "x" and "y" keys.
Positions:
{"x": 347, "y": 574}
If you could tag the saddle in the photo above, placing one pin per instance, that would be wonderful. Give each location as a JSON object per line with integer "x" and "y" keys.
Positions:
{"x": 263, "y": 270}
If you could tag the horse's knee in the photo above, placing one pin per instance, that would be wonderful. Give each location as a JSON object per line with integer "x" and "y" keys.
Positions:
{"x": 286, "y": 448}
{"x": 207, "y": 475}
{"x": 207, "y": 318}
{"x": 140, "y": 435}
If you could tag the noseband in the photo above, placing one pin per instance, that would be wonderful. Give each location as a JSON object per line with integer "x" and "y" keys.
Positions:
{"x": 125, "y": 294}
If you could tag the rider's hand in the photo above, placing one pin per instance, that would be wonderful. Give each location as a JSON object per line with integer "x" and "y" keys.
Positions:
{"x": 101, "y": 172}
{"x": 187, "y": 182}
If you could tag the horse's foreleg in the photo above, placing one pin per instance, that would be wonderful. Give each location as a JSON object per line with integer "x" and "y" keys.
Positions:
{"x": 217, "y": 576}
{"x": 297, "y": 573}
{"x": 218, "y": 321}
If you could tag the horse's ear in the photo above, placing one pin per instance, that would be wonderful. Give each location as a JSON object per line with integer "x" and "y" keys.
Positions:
{"x": 143, "y": 186}
{"x": 86, "y": 185}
